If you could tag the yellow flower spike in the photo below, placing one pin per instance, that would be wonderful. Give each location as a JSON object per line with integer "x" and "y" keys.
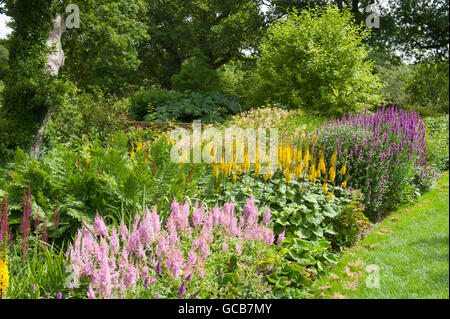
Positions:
{"x": 306, "y": 159}
{"x": 332, "y": 174}
{"x": 299, "y": 171}
{"x": 330, "y": 197}
{"x": 325, "y": 188}
{"x": 299, "y": 156}
{"x": 234, "y": 178}
{"x": 318, "y": 174}
{"x": 314, "y": 139}
{"x": 288, "y": 175}
{"x": 333, "y": 159}
{"x": 257, "y": 169}
{"x": 216, "y": 170}
{"x": 343, "y": 170}
{"x": 132, "y": 154}
{"x": 344, "y": 184}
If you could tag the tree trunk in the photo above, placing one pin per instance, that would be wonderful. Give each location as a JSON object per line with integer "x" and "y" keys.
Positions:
{"x": 55, "y": 61}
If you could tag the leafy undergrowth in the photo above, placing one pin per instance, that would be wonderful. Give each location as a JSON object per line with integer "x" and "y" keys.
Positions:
{"x": 408, "y": 252}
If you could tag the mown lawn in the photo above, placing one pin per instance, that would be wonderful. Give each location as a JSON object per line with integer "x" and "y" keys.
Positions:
{"x": 410, "y": 248}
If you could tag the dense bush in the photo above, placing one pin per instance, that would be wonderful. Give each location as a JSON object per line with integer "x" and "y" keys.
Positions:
{"x": 144, "y": 101}
{"x": 163, "y": 105}
{"x": 316, "y": 60}
{"x": 438, "y": 142}
{"x": 85, "y": 117}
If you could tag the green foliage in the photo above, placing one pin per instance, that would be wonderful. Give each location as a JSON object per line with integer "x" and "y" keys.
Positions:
{"x": 350, "y": 223}
{"x": 220, "y": 29}
{"x": 428, "y": 88}
{"x": 101, "y": 177}
{"x": 438, "y": 141}
{"x": 44, "y": 268}
{"x": 86, "y": 117}
{"x": 29, "y": 90}
{"x": 144, "y": 101}
{"x": 196, "y": 75}
{"x": 103, "y": 52}
{"x": 316, "y": 60}
{"x": 208, "y": 107}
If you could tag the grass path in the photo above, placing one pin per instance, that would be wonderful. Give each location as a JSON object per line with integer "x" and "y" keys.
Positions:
{"x": 410, "y": 248}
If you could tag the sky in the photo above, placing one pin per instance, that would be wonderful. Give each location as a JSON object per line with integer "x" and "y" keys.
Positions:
{"x": 4, "y": 30}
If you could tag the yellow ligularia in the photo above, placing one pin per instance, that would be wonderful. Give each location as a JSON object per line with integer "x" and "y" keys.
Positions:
{"x": 4, "y": 275}
{"x": 306, "y": 159}
{"x": 330, "y": 197}
{"x": 332, "y": 174}
{"x": 216, "y": 170}
{"x": 288, "y": 175}
{"x": 257, "y": 169}
{"x": 343, "y": 170}
{"x": 325, "y": 188}
{"x": 333, "y": 159}
{"x": 344, "y": 184}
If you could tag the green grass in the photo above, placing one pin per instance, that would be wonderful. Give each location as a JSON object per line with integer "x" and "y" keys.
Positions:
{"x": 411, "y": 249}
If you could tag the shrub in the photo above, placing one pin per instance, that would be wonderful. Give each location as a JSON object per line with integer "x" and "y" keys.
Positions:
{"x": 438, "y": 142}
{"x": 144, "y": 101}
{"x": 85, "y": 117}
{"x": 316, "y": 60}
{"x": 207, "y": 107}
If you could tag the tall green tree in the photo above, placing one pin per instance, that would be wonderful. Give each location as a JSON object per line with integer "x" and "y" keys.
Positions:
{"x": 102, "y": 52}
{"x": 416, "y": 27}
{"x": 219, "y": 29}
{"x": 30, "y": 90}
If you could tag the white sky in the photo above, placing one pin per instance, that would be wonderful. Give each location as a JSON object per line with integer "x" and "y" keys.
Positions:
{"x": 4, "y": 30}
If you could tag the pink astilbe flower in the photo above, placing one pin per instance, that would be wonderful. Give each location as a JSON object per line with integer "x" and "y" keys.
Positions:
{"x": 267, "y": 216}
{"x": 117, "y": 261}
{"x": 198, "y": 215}
{"x": 124, "y": 231}
{"x": 281, "y": 237}
{"x": 99, "y": 226}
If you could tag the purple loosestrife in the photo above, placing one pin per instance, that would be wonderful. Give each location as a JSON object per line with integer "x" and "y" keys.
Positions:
{"x": 390, "y": 137}
{"x": 4, "y": 221}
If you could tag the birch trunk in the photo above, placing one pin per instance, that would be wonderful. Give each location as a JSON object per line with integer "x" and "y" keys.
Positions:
{"x": 55, "y": 61}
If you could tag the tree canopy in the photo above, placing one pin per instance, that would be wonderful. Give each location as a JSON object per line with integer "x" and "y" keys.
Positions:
{"x": 219, "y": 29}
